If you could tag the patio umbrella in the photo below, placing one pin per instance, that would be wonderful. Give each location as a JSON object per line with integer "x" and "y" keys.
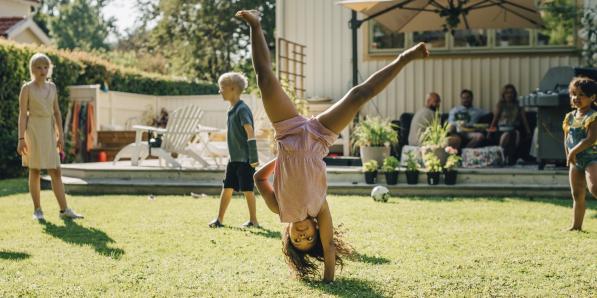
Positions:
{"x": 433, "y": 15}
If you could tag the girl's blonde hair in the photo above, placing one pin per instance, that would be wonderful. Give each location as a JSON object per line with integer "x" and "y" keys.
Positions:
{"x": 236, "y": 78}
{"x": 38, "y": 58}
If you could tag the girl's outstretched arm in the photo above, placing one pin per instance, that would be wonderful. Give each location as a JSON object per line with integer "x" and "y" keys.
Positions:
{"x": 326, "y": 232}
{"x": 265, "y": 188}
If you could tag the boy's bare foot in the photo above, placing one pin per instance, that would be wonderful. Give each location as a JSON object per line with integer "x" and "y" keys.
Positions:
{"x": 249, "y": 16}
{"x": 574, "y": 229}
{"x": 416, "y": 52}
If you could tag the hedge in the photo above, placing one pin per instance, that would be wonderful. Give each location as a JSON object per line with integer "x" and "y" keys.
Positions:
{"x": 70, "y": 68}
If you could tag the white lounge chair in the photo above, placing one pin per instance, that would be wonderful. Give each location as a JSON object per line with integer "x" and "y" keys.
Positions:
{"x": 176, "y": 138}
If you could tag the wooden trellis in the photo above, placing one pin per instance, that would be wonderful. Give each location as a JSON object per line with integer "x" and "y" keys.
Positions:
{"x": 291, "y": 64}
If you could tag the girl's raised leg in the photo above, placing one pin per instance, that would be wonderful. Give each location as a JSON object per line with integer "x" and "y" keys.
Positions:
{"x": 342, "y": 112}
{"x": 278, "y": 105}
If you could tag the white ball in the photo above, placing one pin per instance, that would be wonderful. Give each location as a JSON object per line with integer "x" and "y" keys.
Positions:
{"x": 380, "y": 194}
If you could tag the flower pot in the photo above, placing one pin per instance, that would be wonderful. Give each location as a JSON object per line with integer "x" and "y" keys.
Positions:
{"x": 391, "y": 178}
{"x": 377, "y": 153}
{"x": 412, "y": 177}
{"x": 438, "y": 151}
{"x": 433, "y": 178}
{"x": 450, "y": 177}
{"x": 370, "y": 177}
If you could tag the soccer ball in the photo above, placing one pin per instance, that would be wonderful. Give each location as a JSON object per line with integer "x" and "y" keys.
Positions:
{"x": 380, "y": 194}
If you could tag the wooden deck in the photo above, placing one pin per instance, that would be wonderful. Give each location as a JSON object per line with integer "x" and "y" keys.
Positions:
{"x": 122, "y": 178}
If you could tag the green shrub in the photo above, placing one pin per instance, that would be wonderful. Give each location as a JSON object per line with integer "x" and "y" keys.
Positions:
{"x": 70, "y": 68}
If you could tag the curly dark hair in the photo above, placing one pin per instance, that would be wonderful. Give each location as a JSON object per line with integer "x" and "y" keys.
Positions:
{"x": 304, "y": 263}
{"x": 586, "y": 85}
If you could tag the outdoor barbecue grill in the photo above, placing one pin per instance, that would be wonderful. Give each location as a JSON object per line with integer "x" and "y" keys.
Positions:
{"x": 553, "y": 102}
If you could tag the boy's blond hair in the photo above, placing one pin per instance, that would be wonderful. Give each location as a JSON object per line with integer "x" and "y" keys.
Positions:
{"x": 38, "y": 58}
{"x": 236, "y": 78}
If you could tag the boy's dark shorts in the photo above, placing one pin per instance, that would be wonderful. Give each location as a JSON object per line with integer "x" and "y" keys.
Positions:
{"x": 239, "y": 176}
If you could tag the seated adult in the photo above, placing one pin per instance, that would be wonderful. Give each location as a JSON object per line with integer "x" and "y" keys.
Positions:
{"x": 463, "y": 116}
{"x": 422, "y": 119}
{"x": 506, "y": 123}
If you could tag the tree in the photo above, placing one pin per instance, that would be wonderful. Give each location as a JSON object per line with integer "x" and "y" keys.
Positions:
{"x": 76, "y": 23}
{"x": 201, "y": 38}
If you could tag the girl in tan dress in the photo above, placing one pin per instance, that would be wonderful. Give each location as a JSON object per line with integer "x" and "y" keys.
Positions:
{"x": 41, "y": 138}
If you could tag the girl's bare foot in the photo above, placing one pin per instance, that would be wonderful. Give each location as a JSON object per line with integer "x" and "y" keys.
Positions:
{"x": 416, "y": 52}
{"x": 249, "y": 16}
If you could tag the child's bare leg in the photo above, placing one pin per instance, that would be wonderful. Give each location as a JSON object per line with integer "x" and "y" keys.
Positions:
{"x": 58, "y": 187}
{"x": 252, "y": 205}
{"x": 225, "y": 198}
{"x": 278, "y": 105}
{"x": 342, "y": 112}
{"x": 35, "y": 187}
{"x": 578, "y": 187}
{"x": 591, "y": 178}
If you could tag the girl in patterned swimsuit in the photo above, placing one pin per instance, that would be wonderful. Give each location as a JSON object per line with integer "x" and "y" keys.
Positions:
{"x": 298, "y": 193}
{"x": 580, "y": 136}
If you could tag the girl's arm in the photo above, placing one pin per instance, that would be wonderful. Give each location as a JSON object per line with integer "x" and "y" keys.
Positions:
{"x": 585, "y": 143}
{"x": 58, "y": 122}
{"x": 326, "y": 232}
{"x": 523, "y": 116}
{"x": 265, "y": 188}
{"x": 496, "y": 116}
{"x": 23, "y": 107}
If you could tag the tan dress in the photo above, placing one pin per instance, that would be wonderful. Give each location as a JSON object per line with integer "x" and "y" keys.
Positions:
{"x": 40, "y": 133}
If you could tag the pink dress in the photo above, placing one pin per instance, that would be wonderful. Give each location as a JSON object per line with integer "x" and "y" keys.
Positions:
{"x": 300, "y": 181}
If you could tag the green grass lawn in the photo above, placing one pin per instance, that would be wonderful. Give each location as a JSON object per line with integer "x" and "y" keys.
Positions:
{"x": 132, "y": 246}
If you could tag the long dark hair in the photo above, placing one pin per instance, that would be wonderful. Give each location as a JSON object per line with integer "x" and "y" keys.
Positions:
{"x": 503, "y": 97}
{"x": 304, "y": 263}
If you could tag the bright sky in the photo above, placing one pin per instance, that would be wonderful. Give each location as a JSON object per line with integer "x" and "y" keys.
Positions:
{"x": 125, "y": 13}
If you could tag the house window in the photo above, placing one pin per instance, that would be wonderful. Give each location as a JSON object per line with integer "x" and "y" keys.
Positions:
{"x": 470, "y": 38}
{"x": 512, "y": 38}
{"x": 436, "y": 39}
{"x": 382, "y": 38}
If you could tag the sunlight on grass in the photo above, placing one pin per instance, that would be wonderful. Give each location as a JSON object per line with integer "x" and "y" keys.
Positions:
{"x": 132, "y": 246}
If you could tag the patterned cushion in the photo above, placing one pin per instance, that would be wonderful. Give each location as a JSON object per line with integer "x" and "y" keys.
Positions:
{"x": 492, "y": 156}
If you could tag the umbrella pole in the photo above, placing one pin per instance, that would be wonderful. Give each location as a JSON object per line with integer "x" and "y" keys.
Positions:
{"x": 354, "y": 26}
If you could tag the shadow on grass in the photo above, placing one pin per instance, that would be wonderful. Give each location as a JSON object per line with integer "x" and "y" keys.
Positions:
{"x": 567, "y": 203}
{"x": 73, "y": 233}
{"x": 375, "y": 260}
{"x": 14, "y": 256}
{"x": 13, "y": 186}
{"x": 258, "y": 231}
{"x": 347, "y": 287}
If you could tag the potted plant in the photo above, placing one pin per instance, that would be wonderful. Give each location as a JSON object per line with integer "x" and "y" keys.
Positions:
{"x": 370, "y": 169}
{"x": 390, "y": 169}
{"x": 452, "y": 162}
{"x": 374, "y": 136}
{"x": 434, "y": 168}
{"x": 412, "y": 169}
{"x": 433, "y": 138}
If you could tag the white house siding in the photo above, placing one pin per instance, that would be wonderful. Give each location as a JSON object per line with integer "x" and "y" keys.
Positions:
{"x": 14, "y": 8}
{"x": 322, "y": 26}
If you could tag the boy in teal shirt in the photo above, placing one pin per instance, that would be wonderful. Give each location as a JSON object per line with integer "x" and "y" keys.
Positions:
{"x": 242, "y": 147}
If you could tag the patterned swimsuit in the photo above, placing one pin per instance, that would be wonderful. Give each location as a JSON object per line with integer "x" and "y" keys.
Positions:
{"x": 576, "y": 130}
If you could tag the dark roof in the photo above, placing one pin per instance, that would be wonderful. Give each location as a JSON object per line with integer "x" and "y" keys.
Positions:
{"x": 8, "y": 22}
